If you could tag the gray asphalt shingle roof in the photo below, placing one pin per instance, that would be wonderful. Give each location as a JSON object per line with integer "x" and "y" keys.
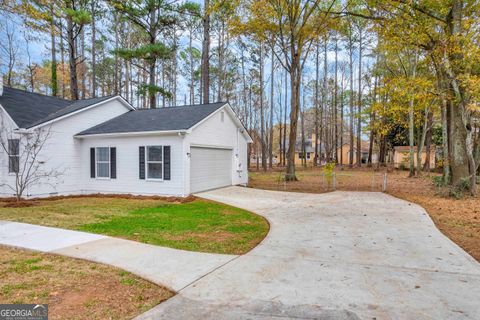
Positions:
{"x": 26, "y": 108}
{"x": 162, "y": 119}
{"x": 29, "y": 109}
{"x": 75, "y": 106}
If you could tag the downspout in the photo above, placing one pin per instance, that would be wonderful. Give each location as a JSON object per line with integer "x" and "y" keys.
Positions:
{"x": 186, "y": 158}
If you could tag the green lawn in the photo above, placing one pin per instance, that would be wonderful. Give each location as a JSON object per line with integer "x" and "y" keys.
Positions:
{"x": 199, "y": 225}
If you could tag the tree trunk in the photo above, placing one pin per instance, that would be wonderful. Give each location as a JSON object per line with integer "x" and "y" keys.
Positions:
{"x": 174, "y": 71}
{"x": 372, "y": 121}
{"x": 317, "y": 78}
{"x": 72, "y": 56}
{"x": 411, "y": 137}
{"x": 341, "y": 121}
{"x": 280, "y": 128}
{"x": 428, "y": 142}
{"x": 421, "y": 142}
{"x": 359, "y": 115}
{"x": 462, "y": 160}
{"x": 335, "y": 102}
{"x": 94, "y": 53}
{"x": 82, "y": 65}
{"x": 295, "y": 78}
{"x": 205, "y": 72}
{"x": 325, "y": 99}
{"x": 54, "y": 80}
{"x": 272, "y": 105}
{"x": 152, "y": 82}
{"x": 62, "y": 60}
{"x": 115, "y": 68}
{"x": 262, "y": 113}
{"x": 192, "y": 71}
{"x": 350, "y": 60}
{"x": 284, "y": 150}
{"x": 152, "y": 64}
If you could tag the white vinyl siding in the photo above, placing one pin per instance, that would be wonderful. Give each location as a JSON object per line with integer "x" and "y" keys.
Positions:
{"x": 210, "y": 168}
{"x": 64, "y": 153}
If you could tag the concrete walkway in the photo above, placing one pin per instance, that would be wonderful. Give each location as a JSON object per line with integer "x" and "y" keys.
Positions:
{"x": 172, "y": 268}
{"x": 341, "y": 255}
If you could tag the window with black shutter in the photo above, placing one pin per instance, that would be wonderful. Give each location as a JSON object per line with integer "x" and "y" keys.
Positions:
{"x": 92, "y": 163}
{"x": 166, "y": 163}
{"x": 13, "y": 155}
{"x": 155, "y": 163}
{"x": 103, "y": 163}
{"x": 113, "y": 163}
{"x": 141, "y": 162}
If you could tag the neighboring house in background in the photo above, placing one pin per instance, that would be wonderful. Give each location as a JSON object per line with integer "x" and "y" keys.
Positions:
{"x": 104, "y": 145}
{"x": 307, "y": 153}
{"x": 401, "y": 156}
{"x": 343, "y": 153}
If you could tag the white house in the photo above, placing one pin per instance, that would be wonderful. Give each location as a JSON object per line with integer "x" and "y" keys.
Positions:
{"x": 104, "y": 145}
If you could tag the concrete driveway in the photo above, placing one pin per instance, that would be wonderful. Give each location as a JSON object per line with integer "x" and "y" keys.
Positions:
{"x": 341, "y": 255}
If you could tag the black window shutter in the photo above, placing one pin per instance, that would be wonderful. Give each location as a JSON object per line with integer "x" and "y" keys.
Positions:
{"x": 113, "y": 163}
{"x": 141, "y": 162}
{"x": 92, "y": 162}
{"x": 166, "y": 163}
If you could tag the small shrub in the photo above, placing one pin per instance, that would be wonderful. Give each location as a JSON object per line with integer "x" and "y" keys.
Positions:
{"x": 463, "y": 185}
{"x": 438, "y": 181}
{"x": 328, "y": 169}
{"x": 457, "y": 191}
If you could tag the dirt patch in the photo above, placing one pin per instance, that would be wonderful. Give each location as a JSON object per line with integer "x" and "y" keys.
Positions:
{"x": 215, "y": 236}
{"x": 12, "y": 202}
{"x": 458, "y": 219}
{"x": 74, "y": 289}
{"x": 20, "y": 204}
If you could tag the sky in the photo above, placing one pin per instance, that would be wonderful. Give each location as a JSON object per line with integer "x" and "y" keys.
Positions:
{"x": 39, "y": 49}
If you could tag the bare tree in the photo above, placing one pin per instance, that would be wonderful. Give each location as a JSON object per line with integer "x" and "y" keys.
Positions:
{"x": 31, "y": 67}
{"x": 24, "y": 161}
{"x": 9, "y": 49}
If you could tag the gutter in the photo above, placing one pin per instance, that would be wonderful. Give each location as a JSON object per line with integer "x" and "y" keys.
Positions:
{"x": 140, "y": 133}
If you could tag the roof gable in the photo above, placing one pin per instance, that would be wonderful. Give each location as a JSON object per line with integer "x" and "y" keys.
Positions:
{"x": 73, "y": 107}
{"x": 151, "y": 120}
{"x": 26, "y": 108}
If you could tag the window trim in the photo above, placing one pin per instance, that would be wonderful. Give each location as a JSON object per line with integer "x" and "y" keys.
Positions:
{"x": 109, "y": 164}
{"x": 17, "y": 156}
{"x": 147, "y": 162}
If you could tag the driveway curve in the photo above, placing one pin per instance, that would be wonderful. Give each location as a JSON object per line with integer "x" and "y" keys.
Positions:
{"x": 340, "y": 255}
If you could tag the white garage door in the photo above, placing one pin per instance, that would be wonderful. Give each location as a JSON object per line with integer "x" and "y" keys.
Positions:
{"x": 210, "y": 168}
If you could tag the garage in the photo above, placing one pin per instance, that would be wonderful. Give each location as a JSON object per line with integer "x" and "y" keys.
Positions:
{"x": 210, "y": 168}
